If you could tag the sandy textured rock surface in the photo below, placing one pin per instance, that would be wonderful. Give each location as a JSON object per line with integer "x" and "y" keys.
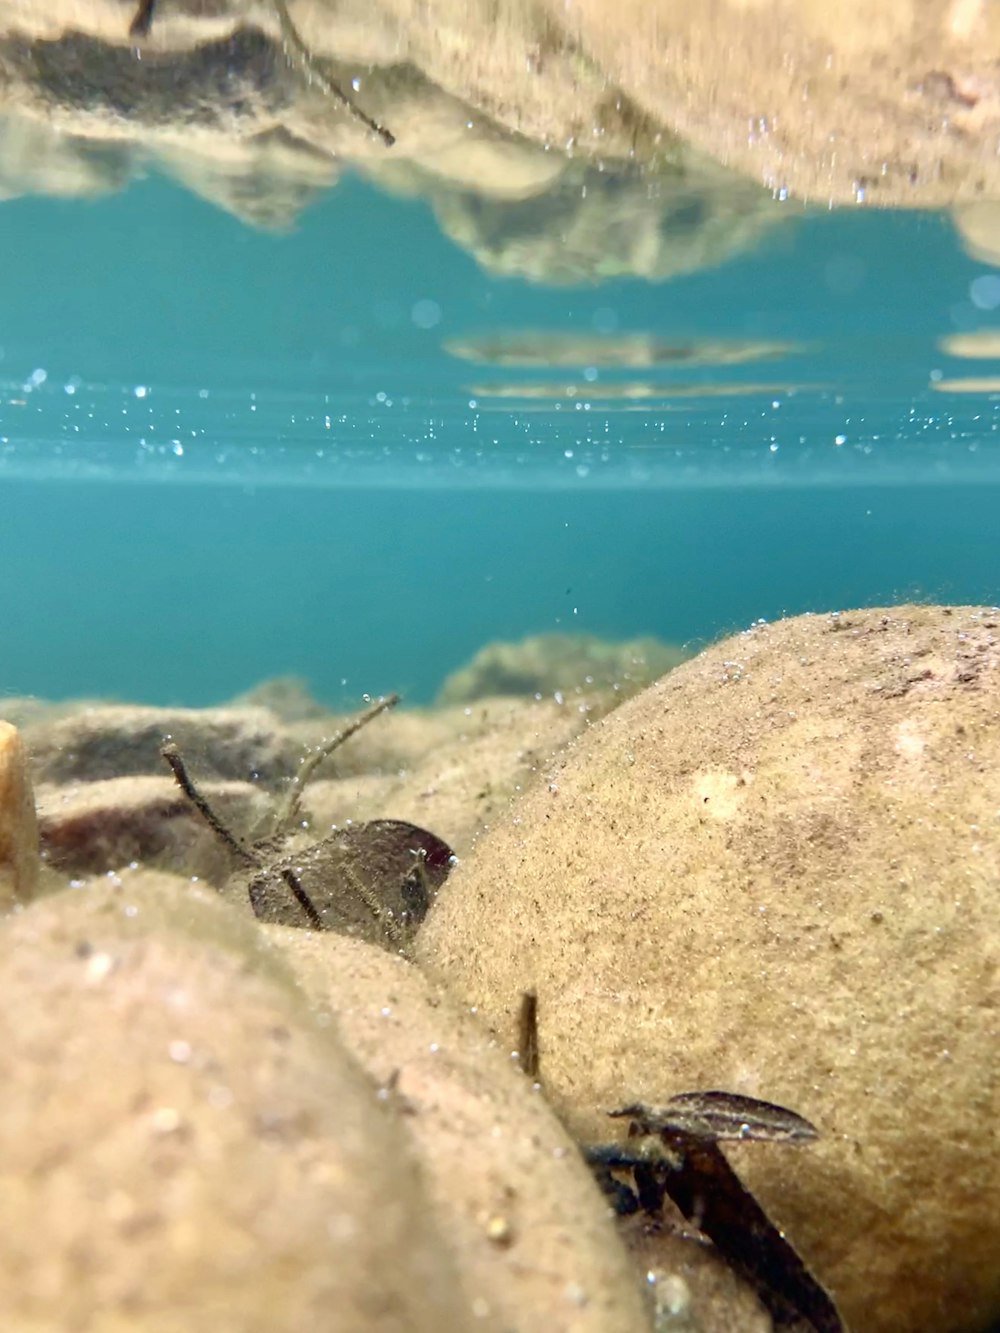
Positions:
{"x": 93, "y": 827}
{"x": 18, "y": 827}
{"x": 535, "y": 1246}
{"x": 183, "y": 1145}
{"x": 895, "y": 102}
{"x": 775, "y": 872}
{"x": 892, "y": 102}
{"x": 106, "y": 797}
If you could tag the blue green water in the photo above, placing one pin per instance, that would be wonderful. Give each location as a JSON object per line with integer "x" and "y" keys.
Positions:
{"x": 228, "y": 455}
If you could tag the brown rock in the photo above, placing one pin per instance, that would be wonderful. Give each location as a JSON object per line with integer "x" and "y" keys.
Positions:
{"x": 18, "y": 829}
{"x": 775, "y": 873}
{"x": 184, "y": 1145}
{"x": 92, "y": 827}
{"x": 118, "y": 740}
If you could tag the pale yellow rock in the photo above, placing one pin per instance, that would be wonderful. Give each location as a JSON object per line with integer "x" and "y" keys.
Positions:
{"x": 536, "y": 1247}
{"x": 18, "y": 827}
{"x": 775, "y": 872}
{"x": 894, "y": 102}
{"x": 184, "y": 1145}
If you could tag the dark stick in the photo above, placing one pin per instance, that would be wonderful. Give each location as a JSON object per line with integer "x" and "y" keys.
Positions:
{"x": 286, "y": 816}
{"x": 527, "y": 1034}
{"x": 294, "y": 45}
{"x": 172, "y": 755}
{"x": 143, "y": 21}
{"x": 302, "y": 898}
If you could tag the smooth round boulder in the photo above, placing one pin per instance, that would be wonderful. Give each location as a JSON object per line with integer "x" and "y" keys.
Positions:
{"x": 184, "y": 1144}
{"x": 535, "y": 1246}
{"x": 775, "y": 873}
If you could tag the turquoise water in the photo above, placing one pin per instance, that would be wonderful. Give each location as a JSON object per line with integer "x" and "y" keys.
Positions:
{"x": 354, "y": 454}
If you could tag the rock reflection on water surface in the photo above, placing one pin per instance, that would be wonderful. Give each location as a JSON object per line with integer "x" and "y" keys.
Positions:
{"x": 639, "y": 139}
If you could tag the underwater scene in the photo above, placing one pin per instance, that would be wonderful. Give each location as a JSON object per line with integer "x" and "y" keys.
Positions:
{"x": 499, "y": 666}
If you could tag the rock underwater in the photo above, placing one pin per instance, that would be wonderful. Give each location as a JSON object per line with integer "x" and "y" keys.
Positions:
{"x": 774, "y": 873}
{"x": 184, "y": 1144}
{"x": 190, "y": 1135}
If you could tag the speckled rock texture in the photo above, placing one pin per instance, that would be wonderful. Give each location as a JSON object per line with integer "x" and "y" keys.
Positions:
{"x": 535, "y": 1246}
{"x": 775, "y": 872}
{"x": 185, "y": 1145}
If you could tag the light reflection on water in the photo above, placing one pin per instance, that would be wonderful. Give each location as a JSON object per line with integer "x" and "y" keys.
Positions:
{"x": 381, "y": 355}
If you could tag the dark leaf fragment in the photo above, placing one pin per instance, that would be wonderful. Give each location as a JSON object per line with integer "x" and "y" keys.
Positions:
{"x": 722, "y": 1115}
{"x": 375, "y": 880}
{"x": 711, "y": 1195}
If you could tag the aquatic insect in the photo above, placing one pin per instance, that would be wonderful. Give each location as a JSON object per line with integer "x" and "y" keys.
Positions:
{"x": 375, "y": 879}
{"x": 672, "y": 1151}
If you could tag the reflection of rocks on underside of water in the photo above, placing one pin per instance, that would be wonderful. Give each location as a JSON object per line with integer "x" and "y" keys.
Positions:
{"x": 561, "y": 147}
{"x": 548, "y": 348}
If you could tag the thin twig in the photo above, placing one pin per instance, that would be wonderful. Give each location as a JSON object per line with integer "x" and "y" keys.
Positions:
{"x": 289, "y": 812}
{"x": 172, "y": 755}
{"x": 527, "y": 1034}
{"x": 299, "y": 54}
{"x": 302, "y": 898}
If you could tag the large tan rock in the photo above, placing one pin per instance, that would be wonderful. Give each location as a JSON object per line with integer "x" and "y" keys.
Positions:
{"x": 775, "y": 872}
{"x": 893, "y": 102}
{"x": 183, "y": 1145}
{"x": 18, "y": 827}
{"x": 535, "y": 1246}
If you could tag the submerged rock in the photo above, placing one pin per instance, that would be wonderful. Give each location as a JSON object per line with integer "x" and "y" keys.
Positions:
{"x": 118, "y": 740}
{"x": 774, "y": 873}
{"x": 535, "y": 1247}
{"x": 107, "y": 799}
{"x": 184, "y": 1143}
{"x": 568, "y": 664}
{"x": 18, "y": 828}
{"x": 89, "y": 828}
{"x": 892, "y": 102}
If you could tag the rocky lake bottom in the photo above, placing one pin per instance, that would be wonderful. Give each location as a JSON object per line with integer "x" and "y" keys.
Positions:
{"x": 752, "y": 901}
